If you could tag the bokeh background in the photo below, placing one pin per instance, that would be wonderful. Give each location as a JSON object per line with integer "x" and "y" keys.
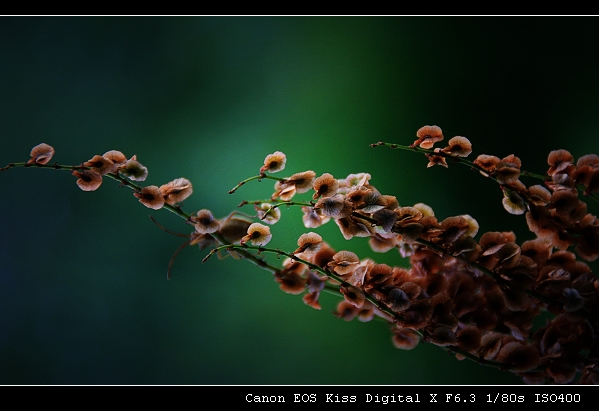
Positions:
{"x": 84, "y": 297}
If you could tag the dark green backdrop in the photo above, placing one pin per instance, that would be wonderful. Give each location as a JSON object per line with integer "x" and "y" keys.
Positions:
{"x": 83, "y": 292}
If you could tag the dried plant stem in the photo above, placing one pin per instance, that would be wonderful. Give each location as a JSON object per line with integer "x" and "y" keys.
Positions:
{"x": 258, "y": 177}
{"x": 470, "y": 164}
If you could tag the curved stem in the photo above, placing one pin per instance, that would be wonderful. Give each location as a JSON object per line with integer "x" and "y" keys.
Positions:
{"x": 471, "y": 165}
{"x": 275, "y": 203}
{"x": 258, "y": 177}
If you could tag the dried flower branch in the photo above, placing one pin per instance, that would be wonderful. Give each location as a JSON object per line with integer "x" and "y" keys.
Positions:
{"x": 474, "y": 294}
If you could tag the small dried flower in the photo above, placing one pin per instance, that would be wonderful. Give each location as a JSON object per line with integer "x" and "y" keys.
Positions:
{"x": 386, "y": 219}
{"x": 353, "y": 295}
{"x": 284, "y": 191}
{"x": 410, "y": 232}
{"x": 560, "y": 181}
{"x": 538, "y": 250}
{"x": 101, "y": 165}
{"x": 377, "y": 275}
{"x": 506, "y": 172}
{"x": 428, "y": 136}
{"x": 290, "y": 281}
{"x": 426, "y": 210}
{"x": 355, "y": 194}
{"x": 588, "y": 242}
{"x": 405, "y": 338}
{"x": 563, "y": 202}
{"x": 344, "y": 262}
{"x": 373, "y": 202}
{"x": 390, "y": 202}
{"x": 315, "y": 285}
{"x": 435, "y": 159}
{"x": 308, "y": 244}
{"x": 88, "y": 180}
{"x": 274, "y": 162}
{"x": 358, "y": 179}
{"x": 257, "y": 234}
{"x": 408, "y": 214}
{"x": 313, "y": 217}
{"x": 346, "y": 311}
{"x": 176, "y": 191}
{"x": 519, "y": 357}
{"x": 41, "y": 154}
{"x": 381, "y": 243}
{"x": 398, "y": 300}
{"x": 588, "y": 159}
{"x": 454, "y": 227}
{"x": 357, "y": 276}
{"x": 116, "y": 157}
{"x": 418, "y": 315}
{"x": 354, "y": 227}
{"x": 442, "y": 336}
{"x": 325, "y": 186}
{"x": 303, "y": 181}
{"x": 513, "y": 202}
{"x": 151, "y": 197}
{"x": 559, "y": 161}
{"x": 539, "y": 195}
{"x": 473, "y": 224}
{"x": 487, "y": 163}
{"x": 267, "y": 213}
{"x": 323, "y": 256}
{"x": 133, "y": 170}
{"x": 204, "y": 222}
{"x": 582, "y": 174}
{"x": 512, "y": 161}
{"x": 336, "y": 206}
{"x": 458, "y": 147}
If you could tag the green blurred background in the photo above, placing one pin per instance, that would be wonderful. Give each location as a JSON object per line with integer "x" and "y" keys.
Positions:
{"x": 83, "y": 292}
